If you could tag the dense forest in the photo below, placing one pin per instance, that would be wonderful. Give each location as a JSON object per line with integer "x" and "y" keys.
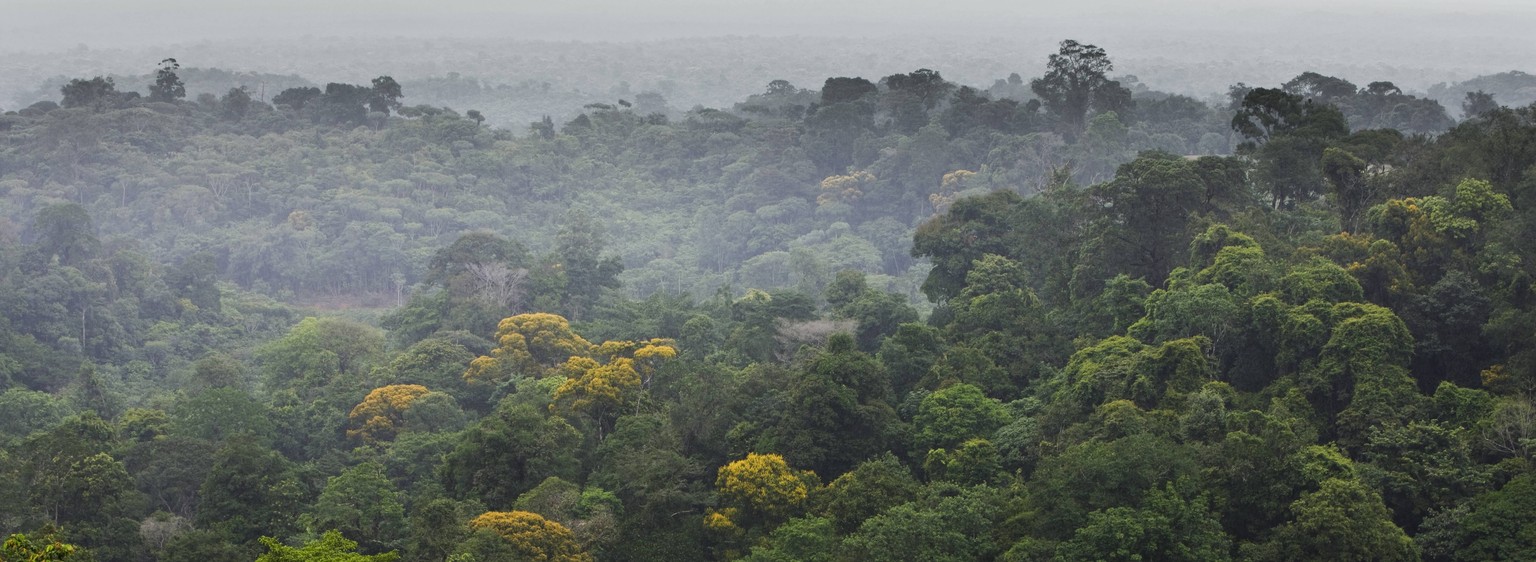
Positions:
{"x": 1052, "y": 317}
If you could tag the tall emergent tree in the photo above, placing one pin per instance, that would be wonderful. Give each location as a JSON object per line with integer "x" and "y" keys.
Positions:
{"x": 1076, "y": 81}
{"x": 168, "y": 87}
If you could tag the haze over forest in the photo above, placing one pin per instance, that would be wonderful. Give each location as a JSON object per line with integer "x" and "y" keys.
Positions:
{"x": 715, "y": 53}
{"x": 770, "y": 281}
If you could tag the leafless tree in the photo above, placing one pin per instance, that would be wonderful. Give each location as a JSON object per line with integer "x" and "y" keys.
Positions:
{"x": 792, "y": 336}
{"x": 1511, "y": 429}
{"x": 497, "y": 284}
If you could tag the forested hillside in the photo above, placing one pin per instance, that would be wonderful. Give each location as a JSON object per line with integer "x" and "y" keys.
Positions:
{"x": 1063, "y": 317}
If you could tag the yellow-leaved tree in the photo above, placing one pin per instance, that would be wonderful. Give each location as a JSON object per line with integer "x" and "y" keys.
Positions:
{"x": 951, "y": 184}
{"x": 648, "y": 355}
{"x": 759, "y": 489}
{"x": 379, "y": 416}
{"x": 844, "y": 189}
{"x": 533, "y": 536}
{"x": 601, "y": 391}
{"x": 534, "y": 345}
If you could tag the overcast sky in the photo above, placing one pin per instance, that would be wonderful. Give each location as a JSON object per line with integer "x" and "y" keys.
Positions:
{"x": 53, "y": 24}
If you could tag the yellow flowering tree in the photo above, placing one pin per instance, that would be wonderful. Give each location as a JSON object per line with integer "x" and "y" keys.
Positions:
{"x": 534, "y": 344}
{"x": 759, "y": 489}
{"x": 532, "y": 536}
{"x": 602, "y": 390}
{"x": 949, "y": 186}
{"x": 844, "y": 188}
{"x": 597, "y": 390}
{"x": 380, "y": 414}
{"x": 648, "y": 355}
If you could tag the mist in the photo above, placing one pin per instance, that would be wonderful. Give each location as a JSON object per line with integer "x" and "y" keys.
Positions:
{"x": 1193, "y": 47}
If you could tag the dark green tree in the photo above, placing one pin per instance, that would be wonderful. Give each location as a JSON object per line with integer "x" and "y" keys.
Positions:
{"x": 168, "y": 87}
{"x": 1076, "y": 81}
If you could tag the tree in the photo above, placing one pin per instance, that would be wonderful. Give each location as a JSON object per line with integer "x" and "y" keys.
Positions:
{"x": 509, "y": 452}
{"x": 1421, "y": 468}
{"x": 168, "y": 87}
{"x": 385, "y": 95}
{"x": 642, "y": 463}
{"x": 947, "y": 524}
{"x": 1342, "y": 520}
{"x": 874, "y": 486}
{"x": 837, "y": 414}
{"x": 1097, "y": 475}
{"x": 434, "y": 363}
{"x": 1166, "y": 527}
{"x": 236, "y": 103}
{"x": 803, "y": 539}
{"x": 578, "y": 249}
{"x": 528, "y": 345}
{"x": 330, "y": 547}
{"x": 1346, "y": 174}
{"x": 1311, "y": 85}
{"x": 878, "y": 313}
{"x": 591, "y": 513}
{"x": 65, "y": 230}
{"x": 195, "y": 279}
{"x": 1287, "y": 133}
{"x": 1076, "y": 81}
{"x": 382, "y": 413}
{"x": 1147, "y": 210}
{"x": 45, "y": 548}
{"x": 531, "y": 536}
{"x": 759, "y": 489}
{"x": 249, "y": 492}
{"x": 170, "y": 470}
{"x": 437, "y": 527}
{"x": 296, "y": 98}
{"x": 24, "y": 411}
{"x": 93, "y": 498}
{"x": 598, "y": 390}
{"x": 949, "y": 417}
{"x": 321, "y": 351}
{"x": 1477, "y": 103}
{"x": 1494, "y": 525}
{"x": 973, "y": 228}
{"x": 844, "y": 89}
{"x": 69, "y": 479}
{"x": 221, "y": 413}
{"x": 344, "y": 104}
{"x": 95, "y": 93}
{"x": 362, "y": 503}
{"x": 198, "y": 545}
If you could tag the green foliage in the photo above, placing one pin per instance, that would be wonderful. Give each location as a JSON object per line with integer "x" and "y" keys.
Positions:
{"x": 509, "y": 452}
{"x": 1166, "y": 527}
{"x": 362, "y": 503}
{"x": 250, "y": 491}
{"x": 221, "y": 413}
{"x": 872, "y": 487}
{"x": 317, "y": 349}
{"x": 22, "y": 548}
{"x": 330, "y": 547}
{"x": 1343, "y": 520}
{"x": 802, "y": 539}
{"x": 954, "y": 415}
{"x": 1096, "y": 475}
{"x": 1494, "y": 525}
{"x": 951, "y": 524}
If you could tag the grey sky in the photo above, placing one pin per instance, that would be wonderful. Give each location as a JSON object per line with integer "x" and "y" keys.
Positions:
{"x": 50, "y": 24}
